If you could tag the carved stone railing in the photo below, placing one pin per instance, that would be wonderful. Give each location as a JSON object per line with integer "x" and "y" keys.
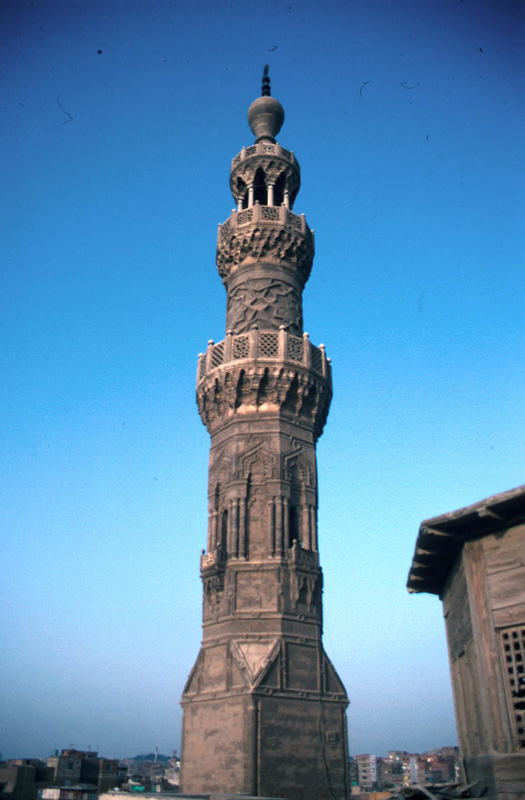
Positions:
{"x": 265, "y": 233}
{"x": 264, "y": 149}
{"x": 265, "y": 215}
{"x": 211, "y": 559}
{"x": 300, "y": 557}
{"x": 263, "y": 345}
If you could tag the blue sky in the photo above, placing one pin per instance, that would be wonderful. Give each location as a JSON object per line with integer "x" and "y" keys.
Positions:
{"x": 407, "y": 120}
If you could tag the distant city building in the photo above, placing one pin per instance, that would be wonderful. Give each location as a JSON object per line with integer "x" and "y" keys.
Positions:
{"x": 474, "y": 559}
{"x": 84, "y": 771}
{"x": 367, "y": 767}
{"x": 21, "y": 778}
{"x": 80, "y": 792}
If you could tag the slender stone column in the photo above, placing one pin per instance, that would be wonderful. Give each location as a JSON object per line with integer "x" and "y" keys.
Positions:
{"x": 230, "y": 528}
{"x": 307, "y": 533}
{"x": 242, "y": 528}
{"x": 271, "y": 527}
{"x": 237, "y": 530}
{"x": 279, "y": 525}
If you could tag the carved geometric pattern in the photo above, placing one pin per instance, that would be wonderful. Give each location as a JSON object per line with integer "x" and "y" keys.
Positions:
{"x": 294, "y": 221}
{"x": 269, "y": 212}
{"x": 217, "y": 355}
{"x": 265, "y": 302}
{"x": 242, "y": 217}
{"x": 317, "y": 359}
{"x": 295, "y": 348}
{"x": 241, "y": 347}
{"x": 513, "y": 646}
{"x": 225, "y": 228}
{"x": 268, "y": 345}
{"x": 297, "y": 394}
{"x": 258, "y": 463}
{"x": 275, "y": 244}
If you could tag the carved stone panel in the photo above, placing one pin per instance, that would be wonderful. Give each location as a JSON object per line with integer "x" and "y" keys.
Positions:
{"x": 265, "y": 244}
{"x": 266, "y": 303}
{"x": 256, "y": 591}
{"x": 297, "y": 394}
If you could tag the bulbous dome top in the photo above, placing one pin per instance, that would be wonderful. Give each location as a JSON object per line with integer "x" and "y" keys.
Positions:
{"x": 266, "y": 114}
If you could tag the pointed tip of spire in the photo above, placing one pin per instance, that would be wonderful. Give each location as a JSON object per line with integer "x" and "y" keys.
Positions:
{"x": 266, "y": 114}
{"x": 266, "y": 90}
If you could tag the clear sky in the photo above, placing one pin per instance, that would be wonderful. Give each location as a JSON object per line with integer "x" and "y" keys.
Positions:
{"x": 119, "y": 122}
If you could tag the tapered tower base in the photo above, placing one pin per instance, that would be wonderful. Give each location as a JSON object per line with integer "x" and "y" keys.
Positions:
{"x": 272, "y": 740}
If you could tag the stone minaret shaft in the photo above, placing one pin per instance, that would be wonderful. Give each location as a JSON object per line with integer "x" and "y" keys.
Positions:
{"x": 264, "y": 709}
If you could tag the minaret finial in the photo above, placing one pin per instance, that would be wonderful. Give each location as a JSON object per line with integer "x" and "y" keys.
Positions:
{"x": 266, "y": 114}
{"x": 266, "y": 91}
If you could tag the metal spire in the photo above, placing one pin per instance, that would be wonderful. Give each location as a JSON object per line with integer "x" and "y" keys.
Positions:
{"x": 266, "y": 91}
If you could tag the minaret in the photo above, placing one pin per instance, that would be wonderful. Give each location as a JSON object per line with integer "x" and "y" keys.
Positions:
{"x": 264, "y": 709}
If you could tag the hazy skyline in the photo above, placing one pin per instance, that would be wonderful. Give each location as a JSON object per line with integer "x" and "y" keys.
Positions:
{"x": 120, "y": 120}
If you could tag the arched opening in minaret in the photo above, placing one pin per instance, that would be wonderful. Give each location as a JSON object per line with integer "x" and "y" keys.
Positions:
{"x": 260, "y": 190}
{"x": 293, "y": 526}
{"x": 242, "y": 193}
{"x": 224, "y": 533}
{"x": 278, "y": 190}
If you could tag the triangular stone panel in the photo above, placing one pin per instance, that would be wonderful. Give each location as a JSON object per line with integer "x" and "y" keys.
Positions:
{"x": 252, "y": 658}
{"x": 334, "y": 684}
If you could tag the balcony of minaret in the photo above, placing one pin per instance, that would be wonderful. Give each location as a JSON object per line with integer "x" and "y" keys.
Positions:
{"x": 265, "y": 234}
{"x": 263, "y": 346}
{"x": 264, "y": 371}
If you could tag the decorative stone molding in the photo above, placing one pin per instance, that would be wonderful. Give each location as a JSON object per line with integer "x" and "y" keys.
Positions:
{"x": 265, "y": 234}
{"x": 266, "y": 149}
{"x": 297, "y": 394}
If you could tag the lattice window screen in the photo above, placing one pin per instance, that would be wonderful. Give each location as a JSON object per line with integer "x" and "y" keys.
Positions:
{"x": 295, "y": 348}
{"x": 269, "y": 212}
{"x": 513, "y": 645}
{"x": 268, "y": 345}
{"x": 241, "y": 347}
{"x": 317, "y": 359}
{"x": 244, "y": 216}
{"x": 217, "y": 355}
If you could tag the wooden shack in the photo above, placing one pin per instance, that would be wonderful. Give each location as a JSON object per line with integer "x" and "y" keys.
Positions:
{"x": 474, "y": 559}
